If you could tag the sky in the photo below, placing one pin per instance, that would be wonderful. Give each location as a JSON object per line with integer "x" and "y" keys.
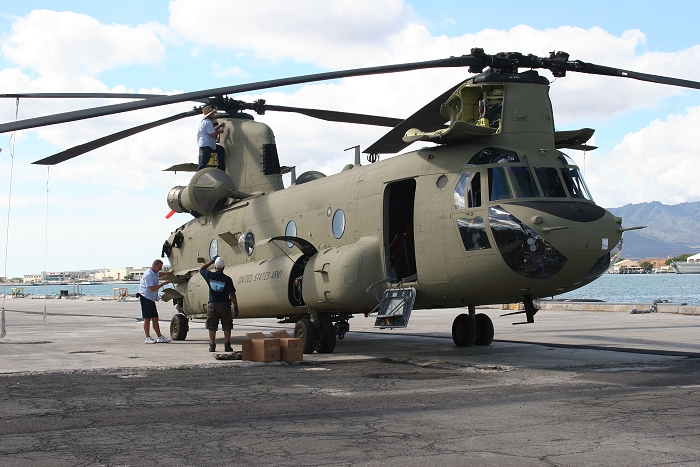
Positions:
{"x": 106, "y": 209}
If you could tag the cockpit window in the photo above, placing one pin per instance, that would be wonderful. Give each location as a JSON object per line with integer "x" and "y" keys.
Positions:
{"x": 575, "y": 184}
{"x": 566, "y": 160}
{"x": 511, "y": 182}
{"x": 472, "y": 184}
{"x": 550, "y": 182}
{"x": 494, "y": 156}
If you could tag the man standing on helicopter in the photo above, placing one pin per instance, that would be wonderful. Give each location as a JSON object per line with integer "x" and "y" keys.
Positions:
{"x": 206, "y": 140}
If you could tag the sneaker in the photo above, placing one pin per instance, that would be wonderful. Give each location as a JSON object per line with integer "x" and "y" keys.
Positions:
{"x": 149, "y": 340}
{"x": 163, "y": 340}
{"x": 227, "y": 347}
{"x": 212, "y": 347}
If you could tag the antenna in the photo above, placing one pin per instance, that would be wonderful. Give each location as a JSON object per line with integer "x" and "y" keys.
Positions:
{"x": 357, "y": 154}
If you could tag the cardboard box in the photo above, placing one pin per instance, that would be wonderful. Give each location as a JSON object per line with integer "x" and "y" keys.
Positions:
{"x": 261, "y": 348}
{"x": 247, "y": 354}
{"x": 291, "y": 348}
{"x": 265, "y": 350}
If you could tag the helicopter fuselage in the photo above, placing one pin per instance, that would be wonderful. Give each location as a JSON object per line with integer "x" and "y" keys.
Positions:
{"x": 403, "y": 217}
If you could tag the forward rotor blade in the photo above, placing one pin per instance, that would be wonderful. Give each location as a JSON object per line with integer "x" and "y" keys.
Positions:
{"x": 465, "y": 60}
{"x": 333, "y": 116}
{"x": 428, "y": 118}
{"x": 105, "y": 140}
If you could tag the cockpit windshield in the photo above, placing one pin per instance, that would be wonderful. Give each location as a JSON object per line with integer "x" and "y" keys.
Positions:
{"x": 511, "y": 182}
{"x": 573, "y": 178}
{"x": 575, "y": 183}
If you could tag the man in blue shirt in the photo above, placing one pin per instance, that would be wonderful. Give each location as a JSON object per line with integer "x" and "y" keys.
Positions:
{"x": 148, "y": 295}
{"x": 206, "y": 140}
{"x": 222, "y": 294}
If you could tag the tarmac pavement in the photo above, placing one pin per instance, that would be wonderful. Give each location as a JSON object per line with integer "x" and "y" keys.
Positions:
{"x": 573, "y": 389}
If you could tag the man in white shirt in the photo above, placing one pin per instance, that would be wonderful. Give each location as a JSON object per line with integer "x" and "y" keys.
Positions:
{"x": 148, "y": 295}
{"x": 206, "y": 140}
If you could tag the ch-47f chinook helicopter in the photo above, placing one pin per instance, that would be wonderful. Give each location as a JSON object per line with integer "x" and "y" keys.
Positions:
{"x": 493, "y": 213}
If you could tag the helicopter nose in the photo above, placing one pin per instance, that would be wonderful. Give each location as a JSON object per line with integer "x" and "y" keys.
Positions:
{"x": 523, "y": 249}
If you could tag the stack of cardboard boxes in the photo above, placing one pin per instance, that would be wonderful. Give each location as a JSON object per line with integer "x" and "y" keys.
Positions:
{"x": 261, "y": 348}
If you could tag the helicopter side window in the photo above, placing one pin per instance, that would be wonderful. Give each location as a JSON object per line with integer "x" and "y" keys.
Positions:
{"x": 511, "y": 182}
{"x": 550, "y": 182}
{"x": 472, "y": 198}
{"x": 575, "y": 184}
{"x": 473, "y": 233}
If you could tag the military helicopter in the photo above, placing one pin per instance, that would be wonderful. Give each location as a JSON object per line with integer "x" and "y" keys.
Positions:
{"x": 493, "y": 212}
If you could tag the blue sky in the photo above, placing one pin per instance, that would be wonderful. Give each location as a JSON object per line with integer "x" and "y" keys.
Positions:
{"x": 106, "y": 209}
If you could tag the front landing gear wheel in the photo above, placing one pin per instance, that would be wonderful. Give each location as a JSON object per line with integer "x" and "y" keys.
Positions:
{"x": 484, "y": 329}
{"x": 306, "y": 330}
{"x": 325, "y": 335}
{"x": 464, "y": 331}
{"x": 179, "y": 327}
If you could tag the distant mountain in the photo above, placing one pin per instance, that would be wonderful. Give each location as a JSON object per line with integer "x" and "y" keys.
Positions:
{"x": 671, "y": 229}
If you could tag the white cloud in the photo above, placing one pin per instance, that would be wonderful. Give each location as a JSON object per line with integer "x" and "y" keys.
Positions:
{"x": 70, "y": 43}
{"x": 657, "y": 163}
{"x": 329, "y": 33}
{"x": 220, "y": 72}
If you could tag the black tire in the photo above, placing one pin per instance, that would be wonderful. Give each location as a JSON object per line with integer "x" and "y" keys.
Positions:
{"x": 484, "y": 329}
{"x": 306, "y": 330}
{"x": 325, "y": 336}
{"x": 179, "y": 327}
{"x": 463, "y": 331}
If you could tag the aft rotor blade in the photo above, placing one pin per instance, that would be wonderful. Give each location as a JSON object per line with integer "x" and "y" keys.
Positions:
{"x": 464, "y": 60}
{"x": 593, "y": 69}
{"x": 428, "y": 118}
{"x": 79, "y": 95}
{"x": 105, "y": 140}
{"x": 87, "y": 95}
{"x": 333, "y": 116}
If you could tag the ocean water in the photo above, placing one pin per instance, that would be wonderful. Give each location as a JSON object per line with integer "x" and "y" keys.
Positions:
{"x": 641, "y": 288}
{"x": 619, "y": 288}
{"x": 97, "y": 290}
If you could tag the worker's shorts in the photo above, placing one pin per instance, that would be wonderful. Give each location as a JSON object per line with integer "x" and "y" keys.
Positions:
{"x": 148, "y": 308}
{"x": 219, "y": 311}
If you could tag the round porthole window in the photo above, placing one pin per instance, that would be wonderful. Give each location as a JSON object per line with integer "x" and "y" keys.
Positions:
{"x": 441, "y": 181}
{"x": 213, "y": 248}
{"x": 338, "y": 223}
{"x": 246, "y": 242}
{"x": 290, "y": 231}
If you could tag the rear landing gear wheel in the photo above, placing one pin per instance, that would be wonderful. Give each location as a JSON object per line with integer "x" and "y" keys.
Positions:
{"x": 325, "y": 335}
{"x": 463, "y": 331}
{"x": 179, "y": 327}
{"x": 484, "y": 329}
{"x": 306, "y": 330}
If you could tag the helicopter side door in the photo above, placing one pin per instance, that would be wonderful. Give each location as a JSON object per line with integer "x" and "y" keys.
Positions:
{"x": 399, "y": 239}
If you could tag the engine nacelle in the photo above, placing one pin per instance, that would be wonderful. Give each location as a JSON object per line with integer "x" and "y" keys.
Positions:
{"x": 206, "y": 193}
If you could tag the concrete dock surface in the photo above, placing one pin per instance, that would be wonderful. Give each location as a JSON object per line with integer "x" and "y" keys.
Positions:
{"x": 85, "y": 334}
{"x": 575, "y": 388}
